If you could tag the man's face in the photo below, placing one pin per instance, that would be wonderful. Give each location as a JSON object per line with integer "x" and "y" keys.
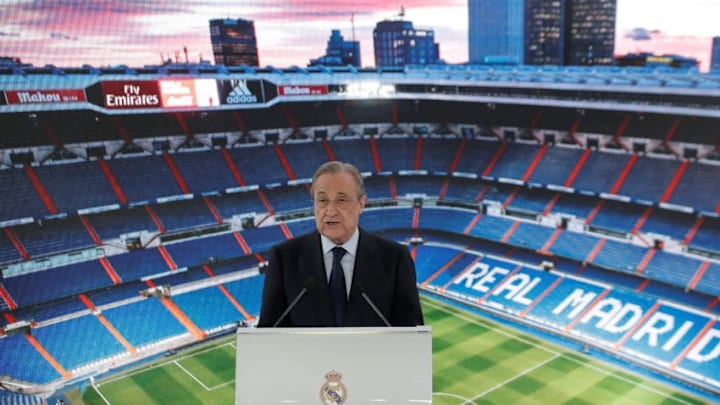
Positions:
{"x": 337, "y": 207}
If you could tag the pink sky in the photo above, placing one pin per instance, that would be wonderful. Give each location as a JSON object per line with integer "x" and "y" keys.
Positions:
{"x": 136, "y": 33}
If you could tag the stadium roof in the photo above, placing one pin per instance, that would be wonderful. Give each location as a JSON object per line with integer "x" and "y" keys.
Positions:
{"x": 641, "y": 77}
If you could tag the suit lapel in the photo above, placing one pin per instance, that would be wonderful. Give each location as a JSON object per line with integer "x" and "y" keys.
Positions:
{"x": 367, "y": 266}
{"x": 312, "y": 263}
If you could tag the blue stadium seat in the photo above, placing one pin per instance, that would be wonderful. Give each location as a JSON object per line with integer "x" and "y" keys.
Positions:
{"x": 48, "y": 285}
{"x": 574, "y": 246}
{"x": 428, "y": 185}
{"x": 708, "y": 235}
{"x": 556, "y": 165}
{"x": 19, "y": 200}
{"x": 8, "y": 251}
{"x": 492, "y": 228}
{"x": 462, "y": 190}
{"x": 258, "y": 164}
{"x": 396, "y": 153}
{"x": 672, "y": 268}
{"x": 378, "y": 188}
{"x": 138, "y": 263}
{"x": 304, "y": 157}
{"x": 204, "y": 171}
{"x": 620, "y": 256}
{"x": 248, "y": 292}
{"x": 531, "y": 200}
{"x": 46, "y": 311}
{"x": 445, "y": 219}
{"x": 515, "y": 161}
{"x": 669, "y": 223}
{"x": 112, "y": 224}
{"x": 530, "y": 236}
{"x": 387, "y": 218}
{"x": 183, "y": 215}
{"x": 430, "y": 259}
{"x": 600, "y": 172}
{"x": 78, "y": 341}
{"x": 476, "y": 156}
{"x": 261, "y": 239}
{"x": 237, "y": 204}
{"x": 154, "y": 324}
{"x": 76, "y": 185}
{"x": 355, "y": 151}
{"x": 145, "y": 178}
{"x": 33, "y": 368}
{"x": 709, "y": 283}
{"x": 203, "y": 250}
{"x": 571, "y": 204}
{"x": 636, "y": 184}
{"x": 289, "y": 198}
{"x": 699, "y": 187}
{"x": 53, "y": 236}
{"x": 437, "y": 154}
{"x": 208, "y": 308}
{"x": 618, "y": 216}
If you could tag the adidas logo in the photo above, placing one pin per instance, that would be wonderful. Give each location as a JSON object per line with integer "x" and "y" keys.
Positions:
{"x": 240, "y": 94}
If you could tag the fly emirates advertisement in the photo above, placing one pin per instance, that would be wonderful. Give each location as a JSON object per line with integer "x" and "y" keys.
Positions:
{"x": 167, "y": 93}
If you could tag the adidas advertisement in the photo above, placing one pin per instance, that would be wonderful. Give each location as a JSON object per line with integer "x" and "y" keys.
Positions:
{"x": 245, "y": 91}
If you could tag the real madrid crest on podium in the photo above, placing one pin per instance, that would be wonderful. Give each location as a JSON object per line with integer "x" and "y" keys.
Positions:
{"x": 333, "y": 391}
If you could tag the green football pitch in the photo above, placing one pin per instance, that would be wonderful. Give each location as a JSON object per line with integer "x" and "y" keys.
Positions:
{"x": 474, "y": 362}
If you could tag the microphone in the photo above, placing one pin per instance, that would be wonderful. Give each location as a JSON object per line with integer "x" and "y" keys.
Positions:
{"x": 375, "y": 308}
{"x": 307, "y": 286}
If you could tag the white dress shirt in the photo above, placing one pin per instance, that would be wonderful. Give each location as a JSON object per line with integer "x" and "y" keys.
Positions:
{"x": 348, "y": 260}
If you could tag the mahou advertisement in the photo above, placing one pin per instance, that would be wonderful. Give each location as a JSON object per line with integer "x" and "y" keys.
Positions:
{"x": 131, "y": 94}
{"x": 303, "y": 90}
{"x": 45, "y": 96}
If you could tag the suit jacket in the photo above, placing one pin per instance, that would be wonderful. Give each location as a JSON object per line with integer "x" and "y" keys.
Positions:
{"x": 384, "y": 270}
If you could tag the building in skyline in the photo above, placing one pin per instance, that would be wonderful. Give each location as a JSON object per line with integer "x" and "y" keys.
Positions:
{"x": 398, "y": 43}
{"x": 544, "y": 38}
{"x": 234, "y": 42}
{"x": 590, "y": 32}
{"x": 339, "y": 52}
{"x": 715, "y": 55}
{"x": 648, "y": 59}
{"x": 496, "y": 31}
{"x": 541, "y": 32}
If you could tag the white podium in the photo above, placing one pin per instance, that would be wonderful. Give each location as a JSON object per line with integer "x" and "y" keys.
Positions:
{"x": 334, "y": 366}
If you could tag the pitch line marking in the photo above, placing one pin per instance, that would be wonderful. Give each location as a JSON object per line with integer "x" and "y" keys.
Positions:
{"x": 511, "y": 379}
{"x": 157, "y": 365}
{"x": 463, "y": 315}
{"x": 97, "y": 389}
{"x": 191, "y": 375}
{"x": 221, "y": 385}
{"x": 460, "y": 397}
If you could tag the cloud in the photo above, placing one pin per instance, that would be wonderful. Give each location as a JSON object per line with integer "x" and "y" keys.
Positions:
{"x": 60, "y": 35}
{"x": 639, "y": 34}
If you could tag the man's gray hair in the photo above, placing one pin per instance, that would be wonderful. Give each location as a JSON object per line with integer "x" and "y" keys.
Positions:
{"x": 339, "y": 167}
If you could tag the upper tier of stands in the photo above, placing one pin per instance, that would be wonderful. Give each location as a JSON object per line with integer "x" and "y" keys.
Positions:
{"x": 47, "y": 191}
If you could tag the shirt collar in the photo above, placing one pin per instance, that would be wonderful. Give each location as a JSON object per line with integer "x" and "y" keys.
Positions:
{"x": 350, "y": 246}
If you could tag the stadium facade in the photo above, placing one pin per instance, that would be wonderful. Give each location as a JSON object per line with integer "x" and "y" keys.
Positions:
{"x": 339, "y": 52}
{"x": 234, "y": 42}
{"x": 150, "y": 190}
{"x": 398, "y": 43}
{"x": 535, "y": 32}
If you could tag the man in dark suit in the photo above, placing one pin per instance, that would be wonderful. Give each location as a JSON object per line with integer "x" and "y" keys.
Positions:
{"x": 339, "y": 272}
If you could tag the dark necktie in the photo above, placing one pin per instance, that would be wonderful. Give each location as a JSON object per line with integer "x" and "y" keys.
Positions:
{"x": 337, "y": 286}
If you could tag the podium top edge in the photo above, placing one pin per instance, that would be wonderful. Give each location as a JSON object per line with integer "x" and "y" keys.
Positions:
{"x": 336, "y": 330}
